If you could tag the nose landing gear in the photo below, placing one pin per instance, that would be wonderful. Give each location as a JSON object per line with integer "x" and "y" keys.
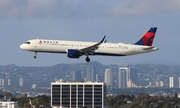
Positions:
{"x": 35, "y": 56}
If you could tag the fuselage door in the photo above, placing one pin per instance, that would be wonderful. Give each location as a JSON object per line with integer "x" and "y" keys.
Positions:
{"x": 38, "y": 45}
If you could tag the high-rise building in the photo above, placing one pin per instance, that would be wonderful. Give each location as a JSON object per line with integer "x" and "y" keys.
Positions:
{"x": 97, "y": 77}
{"x": 115, "y": 83}
{"x": 171, "y": 82}
{"x": 108, "y": 77}
{"x": 78, "y": 94}
{"x": 130, "y": 84}
{"x": 133, "y": 75}
{"x": 3, "y": 82}
{"x": 126, "y": 74}
{"x": 20, "y": 82}
{"x": 91, "y": 73}
{"x": 122, "y": 78}
{"x": 150, "y": 84}
{"x": 9, "y": 82}
{"x": 161, "y": 84}
{"x": 34, "y": 86}
{"x": 77, "y": 76}
{"x": 0, "y": 82}
{"x": 157, "y": 84}
{"x": 179, "y": 81}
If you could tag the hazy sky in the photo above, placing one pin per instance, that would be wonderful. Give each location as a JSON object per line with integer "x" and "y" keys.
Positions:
{"x": 88, "y": 20}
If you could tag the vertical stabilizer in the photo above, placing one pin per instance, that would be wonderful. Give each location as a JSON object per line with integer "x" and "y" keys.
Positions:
{"x": 148, "y": 37}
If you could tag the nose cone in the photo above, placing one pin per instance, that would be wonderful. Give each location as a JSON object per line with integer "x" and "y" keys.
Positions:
{"x": 22, "y": 46}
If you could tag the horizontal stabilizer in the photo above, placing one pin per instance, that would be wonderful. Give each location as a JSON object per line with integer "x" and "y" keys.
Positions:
{"x": 148, "y": 48}
{"x": 151, "y": 48}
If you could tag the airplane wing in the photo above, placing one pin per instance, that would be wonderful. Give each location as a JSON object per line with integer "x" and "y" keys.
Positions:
{"x": 91, "y": 49}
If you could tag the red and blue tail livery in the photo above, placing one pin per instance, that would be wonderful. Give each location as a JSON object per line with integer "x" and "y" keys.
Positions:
{"x": 148, "y": 37}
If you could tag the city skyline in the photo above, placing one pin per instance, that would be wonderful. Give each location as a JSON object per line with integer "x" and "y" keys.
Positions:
{"x": 134, "y": 75}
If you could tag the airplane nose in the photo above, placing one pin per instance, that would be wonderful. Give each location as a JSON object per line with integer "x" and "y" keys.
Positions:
{"x": 22, "y": 46}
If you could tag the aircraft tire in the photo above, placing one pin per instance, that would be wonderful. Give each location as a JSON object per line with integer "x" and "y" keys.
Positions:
{"x": 87, "y": 59}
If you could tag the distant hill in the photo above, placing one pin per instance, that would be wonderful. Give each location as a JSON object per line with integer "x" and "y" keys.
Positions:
{"x": 42, "y": 76}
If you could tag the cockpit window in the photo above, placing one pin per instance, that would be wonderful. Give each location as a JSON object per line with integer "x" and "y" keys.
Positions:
{"x": 27, "y": 42}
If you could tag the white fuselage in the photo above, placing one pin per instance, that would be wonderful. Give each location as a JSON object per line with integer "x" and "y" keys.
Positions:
{"x": 107, "y": 49}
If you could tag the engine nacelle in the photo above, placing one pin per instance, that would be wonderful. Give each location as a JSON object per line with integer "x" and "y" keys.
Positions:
{"x": 72, "y": 53}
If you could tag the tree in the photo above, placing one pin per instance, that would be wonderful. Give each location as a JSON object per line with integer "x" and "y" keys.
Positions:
{"x": 8, "y": 94}
{"x": 160, "y": 98}
{"x": 139, "y": 98}
{"x": 167, "y": 105}
{"x": 23, "y": 101}
{"x": 161, "y": 104}
{"x": 120, "y": 97}
{"x": 175, "y": 95}
{"x": 134, "y": 105}
{"x": 110, "y": 101}
{"x": 41, "y": 100}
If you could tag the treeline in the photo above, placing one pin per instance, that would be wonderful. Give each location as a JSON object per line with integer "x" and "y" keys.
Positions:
{"x": 143, "y": 101}
{"x": 136, "y": 91}
{"x": 24, "y": 101}
{"x": 119, "y": 101}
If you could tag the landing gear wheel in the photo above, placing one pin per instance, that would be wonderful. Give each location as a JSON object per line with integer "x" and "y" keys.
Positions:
{"x": 35, "y": 55}
{"x": 87, "y": 59}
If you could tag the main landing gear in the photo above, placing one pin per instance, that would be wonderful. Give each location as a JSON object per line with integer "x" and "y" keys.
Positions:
{"x": 87, "y": 59}
{"x": 35, "y": 56}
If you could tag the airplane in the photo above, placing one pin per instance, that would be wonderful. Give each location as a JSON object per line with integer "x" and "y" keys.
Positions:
{"x": 76, "y": 49}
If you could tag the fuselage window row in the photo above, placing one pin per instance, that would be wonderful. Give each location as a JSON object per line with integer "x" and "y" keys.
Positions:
{"x": 56, "y": 43}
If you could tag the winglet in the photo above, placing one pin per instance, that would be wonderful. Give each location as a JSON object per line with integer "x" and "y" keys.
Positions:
{"x": 148, "y": 37}
{"x": 103, "y": 39}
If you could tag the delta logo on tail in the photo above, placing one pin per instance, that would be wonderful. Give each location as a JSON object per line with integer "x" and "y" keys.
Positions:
{"x": 148, "y": 37}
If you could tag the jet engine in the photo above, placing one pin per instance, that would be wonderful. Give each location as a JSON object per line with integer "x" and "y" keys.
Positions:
{"x": 72, "y": 53}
